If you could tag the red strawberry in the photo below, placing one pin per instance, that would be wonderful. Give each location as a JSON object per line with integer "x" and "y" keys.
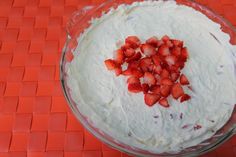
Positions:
{"x": 180, "y": 64}
{"x": 129, "y": 52}
{"x": 184, "y": 54}
{"x": 174, "y": 76}
{"x": 132, "y": 80}
{"x": 165, "y": 74}
{"x": 164, "y": 50}
{"x": 176, "y": 51}
{"x": 153, "y": 41}
{"x": 169, "y": 43}
{"x": 157, "y": 69}
{"x": 170, "y": 60}
{"x": 151, "y": 99}
{"x": 136, "y": 73}
{"x": 125, "y": 46}
{"x": 127, "y": 72}
{"x": 173, "y": 68}
{"x": 184, "y": 80}
{"x": 166, "y": 81}
{"x": 177, "y": 91}
{"x": 149, "y": 78}
{"x": 185, "y": 97}
{"x": 177, "y": 43}
{"x": 110, "y": 64}
{"x": 133, "y": 41}
{"x": 165, "y": 90}
{"x": 165, "y": 38}
{"x": 148, "y": 50}
{"x": 155, "y": 89}
{"x": 135, "y": 57}
{"x": 135, "y": 87}
{"x": 119, "y": 58}
{"x": 156, "y": 59}
{"x": 133, "y": 65}
{"x": 118, "y": 71}
{"x": 145, "y": 63}
{"x": 145, "y": 88}
{"x": 160, "y": 42}
{"x": 163, "y": 102}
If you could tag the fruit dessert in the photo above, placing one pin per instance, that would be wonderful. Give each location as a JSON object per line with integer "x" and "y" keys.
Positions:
{"x": 173, "y": 89}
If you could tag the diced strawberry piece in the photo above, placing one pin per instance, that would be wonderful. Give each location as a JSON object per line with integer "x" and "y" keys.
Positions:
{"x": 153, "y": 41}
{"x": 164, "y": 102}
{"x": 184, "y": 80}
{"x": 173, "y": 68}
{"x": 171, "y": 60}
{"x": 145, "y": 63}
{"x": 160, "y": 42}
{"x": 169, "y": 43}
{"x": 165, "y": 38}
{"x": 135, "y": 87}
{"x": 149, "y": 78}
{"x": 184, "y": 54}
{"x": 177, "y": 43}
{"x": 151, "y": 99}
{"x": 119, "y": 58}
{"x": 133, "y": 65}
{"x": 165, "y": 90}
{"x": 129, "y": 52}
{"x": 155, "y": 89}
{"x": 165, "y": 74}
{"x": 166, "y": 81}
{"x": 110, "y": 64}
{"x": 133, "y": 41}
{"x": 157, "y": 69}
{"x": 177, "y": 91}
{"x": 156, "y": 59}
{"x": 151, "y": 67}
{"x": 180, "y": 64}
{"x": 126, "y": 46}
{"x": 137, "y": 73}
{"x": 174, "y": 76}
{"x": 176, "y": 51}
{"x": 135, "y": 57}
{"x": 118, "y": 71}
{"x": 145, "y": 88}
{"x": 127, "y": 72}
{"x": 185, "y": 97}
{"x": 164, "y": 50}
{"x": 148, "y": 50}
{"x": 132, "y": 80}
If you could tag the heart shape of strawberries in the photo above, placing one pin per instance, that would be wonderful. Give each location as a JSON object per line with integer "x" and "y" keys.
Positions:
{"x": 153, "y": 67}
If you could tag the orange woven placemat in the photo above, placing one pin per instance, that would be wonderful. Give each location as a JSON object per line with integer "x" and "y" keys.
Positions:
{"x": 34, "y": 118}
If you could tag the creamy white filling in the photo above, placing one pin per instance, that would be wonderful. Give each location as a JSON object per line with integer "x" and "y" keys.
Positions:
{"x": 105, "y": 100}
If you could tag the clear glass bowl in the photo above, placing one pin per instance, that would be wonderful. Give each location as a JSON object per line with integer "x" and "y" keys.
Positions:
{"x": 80, "y": 21}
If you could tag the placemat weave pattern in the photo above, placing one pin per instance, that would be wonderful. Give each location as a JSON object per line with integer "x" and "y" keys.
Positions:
{"x": 34, "y": 118}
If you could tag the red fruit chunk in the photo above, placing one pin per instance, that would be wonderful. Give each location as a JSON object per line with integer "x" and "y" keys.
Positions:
{"x": 127, "y": 72}
{"x": 184, "y": 80}
{"x": 145, "y": 63}
{"x": 166, "y": 81}
{"x": 126, "y": 46}
{"x": 153, "y": 41}
{"x": 118, "y": 71}
{"x": 135, "y": 57}
{"x": 170, "y": 60}
{"x": 165, "y": 74}
{"x": 177, "y": 43}
{"x": 176, "y": 51}
{"x": 151, "y": 99}
{"x": 119, "y": 58}
{"x": 184, "y": 54}
{"x": 133, "y": 65}
{"x": 110, "y": 64}
{"x": 145, "y": 88}
{"x": 163, "y": 102}
{"x": 148, "y": 50}
{"x": 133, "y": 41}
{"x": 164, "y": 50}
{"x": 185, "y": 97}
{"x": 149, "y": 78}
{"x": 177, "y": 91}
{"x": 156, "y": 59}
{"x": 174, "y": 76}
{"x": 155, "y": 89}
{"x": 165, "y": 90}
{"x": 165, "y": 38}
{"x": 137, "y": 73}
{"x": 169, "y": 43}
{"x": 135, "y": 87}
{"x": 132, "y": 80}
{"x": 157, "y": 69}
{"x": 129, "y": 52}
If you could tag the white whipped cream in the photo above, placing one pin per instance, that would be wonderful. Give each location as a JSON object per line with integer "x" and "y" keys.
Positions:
{"x": 105, "y": 100}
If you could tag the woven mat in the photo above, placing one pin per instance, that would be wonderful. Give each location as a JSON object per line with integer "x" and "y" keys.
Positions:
{"x": 34, "y": 118}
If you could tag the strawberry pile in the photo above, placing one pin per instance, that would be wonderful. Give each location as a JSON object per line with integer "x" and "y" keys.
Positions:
{"x": 153, "y": 67}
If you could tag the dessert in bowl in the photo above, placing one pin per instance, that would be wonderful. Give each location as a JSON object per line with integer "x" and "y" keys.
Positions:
{"x": 122, "y": 118}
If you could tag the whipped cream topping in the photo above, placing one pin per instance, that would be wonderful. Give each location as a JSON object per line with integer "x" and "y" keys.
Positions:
{"x": 105, "y": 100}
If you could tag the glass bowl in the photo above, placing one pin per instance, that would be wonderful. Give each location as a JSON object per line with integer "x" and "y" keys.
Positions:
{"x": 79, "y": 22}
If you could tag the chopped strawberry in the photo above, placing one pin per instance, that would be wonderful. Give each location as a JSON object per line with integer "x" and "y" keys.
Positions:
{"x": 110, "y": 64}
{"x": 165, "y": 74}
{"x": 177, "y": 43}
{"x": 166, "y": 81}
{"x": 169, "y": 43}
{"x": 118, "y": 71}
{"x": 155, "y": 89}
{"x": 176, "y": 51}
{"x": 170, "y": 60}
{"x": 133, "y": 65}
{"x": 119, "y": 58}
{"x": 145, "y": 88}
{"x": 173, "y": 68}
{"x": 133, "y": 41}
{"x": 135, "y": 57}
{"x": 135, "y": 87}
{"x": 180, "y": 64}
{"x": 126, "y": 46}
{"x": 177, "y": 90}
{"x": 157, "y": 69}
{"x": 151, "y": 67}
{"x": 137, "y": 73}
{"x": 184, "y": 54}
{"x": 184, "y": 80}
{"x": 165, "y": 90}
{"x": 156, "y": 59}
{"x": 160, "y": 42}
{"x": 132, "y": 80}
{"x": 151, "y": 99}
{"x": 148, "y": 50}
{"x": 129, "y": 52}
{"x": 145, "y": 63}
{"x": 127, "y": 72}
{"x": 174, "y": 76}
{"x": 165, "y": 38}
{"x": 164, "y": 50}
{"x": 153, "y": 41}
{"x": 185, "y": 97}
{"x": 149, "y": 78}
{"x": 163, "y": 102}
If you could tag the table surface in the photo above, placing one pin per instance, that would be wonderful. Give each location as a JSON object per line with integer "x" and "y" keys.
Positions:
{"x": 34, "y": 118}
